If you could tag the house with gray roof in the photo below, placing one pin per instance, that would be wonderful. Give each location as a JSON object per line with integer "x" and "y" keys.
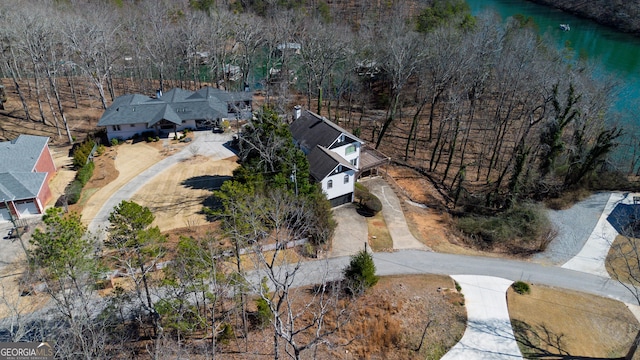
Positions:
{"x": 336, "y": 157}
{"x": 333, "y": 154}
{"x": 176, "y": 110}
{"x": 26, "y": 166}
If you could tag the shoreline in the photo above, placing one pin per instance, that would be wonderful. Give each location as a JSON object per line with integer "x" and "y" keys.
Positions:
{"x": 618, "y": 15}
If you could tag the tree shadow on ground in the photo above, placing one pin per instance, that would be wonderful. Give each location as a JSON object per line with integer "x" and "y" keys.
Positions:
{"x": 625, "y": 218}
{"x": 539, "y": 342}
{"x": 364, "y": 211}
{"x": 232, "y": 146}
{"x": 205, "y": 182}
{"x": 211, "y": 183}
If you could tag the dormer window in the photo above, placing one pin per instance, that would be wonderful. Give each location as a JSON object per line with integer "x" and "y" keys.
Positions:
{"x": 341, "y": 139}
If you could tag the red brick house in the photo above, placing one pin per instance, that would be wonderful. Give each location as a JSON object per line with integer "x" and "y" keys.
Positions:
{"x": 26, "y": 167}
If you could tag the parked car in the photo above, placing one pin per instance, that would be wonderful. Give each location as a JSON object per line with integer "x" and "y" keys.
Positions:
{"x": 218, "y": 129}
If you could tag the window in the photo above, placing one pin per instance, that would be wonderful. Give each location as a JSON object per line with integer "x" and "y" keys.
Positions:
{"x": 133, "y": 125}
{"x": 350, "y": 149}
{"x": 329, "y": 184}
{"x": 346, "y": 179}
{"x": 354, "y": 162}
{"x": 116, "y": 127}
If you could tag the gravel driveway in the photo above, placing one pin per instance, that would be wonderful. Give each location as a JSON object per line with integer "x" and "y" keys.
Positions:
{"x": 574, "y": 226}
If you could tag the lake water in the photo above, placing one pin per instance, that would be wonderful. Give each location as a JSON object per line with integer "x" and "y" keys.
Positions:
{"x": 613, "y": 53}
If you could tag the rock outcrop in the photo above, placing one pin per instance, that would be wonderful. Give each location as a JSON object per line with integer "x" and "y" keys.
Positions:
{"x": 623, "y": 15}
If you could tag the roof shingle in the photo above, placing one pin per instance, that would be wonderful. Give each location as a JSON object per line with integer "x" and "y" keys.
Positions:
{"x": 176, "y": 105}
{"x": 18, "y": 159}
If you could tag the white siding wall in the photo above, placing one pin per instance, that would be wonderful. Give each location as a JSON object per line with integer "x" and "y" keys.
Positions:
{"x": 126, "y": 131}
{"x": 339, "y": 187}
{"x": 342, "y": 152}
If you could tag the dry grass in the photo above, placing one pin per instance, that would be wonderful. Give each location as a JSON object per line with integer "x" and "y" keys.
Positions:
{"x": 251, "y": 261}
{"x": 379, "y": 237}
{"x": 388, "y": 322}
{"x": 622, "y": 261}
{"x": 11, "y": 302}
{"x": 565, "y": 323}
{"x": 430, "y": 224}
{"x": 178, "y": 197}
{"x": 567, "y": 199}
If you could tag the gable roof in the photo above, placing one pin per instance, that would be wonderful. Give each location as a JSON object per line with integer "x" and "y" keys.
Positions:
{"x": 18, "y": 159}
{"x": 311, "y": 130}
{"x": 21, "y": 154}
{"x": 323, "y": 161}
{"x": 176, "y": 106}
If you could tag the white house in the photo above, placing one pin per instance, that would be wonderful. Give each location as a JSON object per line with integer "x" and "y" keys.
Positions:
{"x": 175, "y": 110}
{"x": 333, "y": 154}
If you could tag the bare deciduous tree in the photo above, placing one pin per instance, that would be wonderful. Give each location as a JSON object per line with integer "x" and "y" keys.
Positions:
{"x": 301, "y": 319}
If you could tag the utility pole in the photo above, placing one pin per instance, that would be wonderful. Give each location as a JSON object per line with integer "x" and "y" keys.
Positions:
{"x": 294, "y": 178}
{"x": 15, "y": 227}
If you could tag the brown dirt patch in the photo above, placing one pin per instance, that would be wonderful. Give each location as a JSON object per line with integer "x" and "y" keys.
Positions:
{"x": 386, "y": 323}
{"x": 564, "y": 322}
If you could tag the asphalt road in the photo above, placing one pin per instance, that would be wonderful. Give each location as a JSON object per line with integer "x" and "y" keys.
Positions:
{"x": 426, "y": 262}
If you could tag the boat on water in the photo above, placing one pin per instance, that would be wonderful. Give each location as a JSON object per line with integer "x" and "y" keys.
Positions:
{"x": 565, "y": 27}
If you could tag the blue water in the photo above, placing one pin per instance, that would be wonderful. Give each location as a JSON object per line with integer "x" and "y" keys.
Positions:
{"x": 612, "y": 53}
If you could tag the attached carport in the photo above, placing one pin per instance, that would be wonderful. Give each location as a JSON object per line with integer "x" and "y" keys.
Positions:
{"x": 370, "y": 161}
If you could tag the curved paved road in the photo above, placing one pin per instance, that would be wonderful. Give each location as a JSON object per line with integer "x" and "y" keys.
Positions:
{"x": 426, "y": 262}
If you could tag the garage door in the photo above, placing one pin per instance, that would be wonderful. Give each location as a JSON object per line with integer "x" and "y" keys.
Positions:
{"x": 4, "y": 215}
{"x": 27, "y": 208}
{"x": 344, "y": 199}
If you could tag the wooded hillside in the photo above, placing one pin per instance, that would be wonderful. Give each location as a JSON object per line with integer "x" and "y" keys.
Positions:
{"x": 487, "y": 109}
